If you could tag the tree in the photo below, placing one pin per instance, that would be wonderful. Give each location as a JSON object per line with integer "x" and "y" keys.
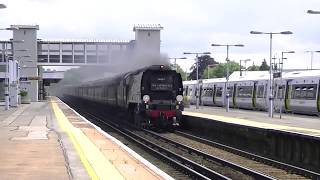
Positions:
{"x": 264, "y": 66}
{"x": 220, "y": 70}
{"x": 253, "y": 68}
{"x": 183, "y": 74}
{"x": 204, "y": 61}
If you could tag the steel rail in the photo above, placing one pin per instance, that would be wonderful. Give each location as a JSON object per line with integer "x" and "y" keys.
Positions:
{"x": 244, "y": 170}
{"x": 191, "y": 168}
{"x": 274, "y": 163}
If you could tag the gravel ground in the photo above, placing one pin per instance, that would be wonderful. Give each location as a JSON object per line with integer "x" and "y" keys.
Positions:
{"x": 263, "y": 168}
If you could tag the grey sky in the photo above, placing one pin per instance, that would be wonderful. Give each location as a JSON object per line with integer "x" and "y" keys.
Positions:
{"x": 189, "y": 25}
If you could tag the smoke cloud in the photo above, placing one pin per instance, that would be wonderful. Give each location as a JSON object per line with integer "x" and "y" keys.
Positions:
{"x": 117, "y": 65}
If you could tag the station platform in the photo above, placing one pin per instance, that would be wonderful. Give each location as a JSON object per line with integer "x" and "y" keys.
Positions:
{"x": 300, "y": 124}
{"x": 49, "y": 140}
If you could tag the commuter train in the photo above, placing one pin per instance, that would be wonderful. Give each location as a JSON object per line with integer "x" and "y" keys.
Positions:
{"x": 296, "y": 92}
{"x": 152, "y": 96}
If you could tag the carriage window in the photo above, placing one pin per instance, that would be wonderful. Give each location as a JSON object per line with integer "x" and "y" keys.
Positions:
{"x": 296, "y": 93}
{"x": 210, "y": 92}
{"x": 245, "y": 91}
{"x": 185, "y": 91}
{"x": 307, "y": 91}
{"x": 311, "y": 92}
{"x": 303, "y": 92}
{"x": 281, "y": 91}
{"x": 190, "y": 92}
{"x": 260, "y": 91}
{"x": 219, "y": 92}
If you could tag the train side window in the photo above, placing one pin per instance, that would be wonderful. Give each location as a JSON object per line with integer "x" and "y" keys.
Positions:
{"x": 311, "y": 92}
{"x": 185, "y": 91}
{"x": 303, "y": 92}
{"x": 190, "y": 92}
{"x": 245, "y": 91}
{"x": 296, "y": 93}
{"x": 260, "y": 91}
{"x": 210, "y": 92}
{"x": 280, "y": 94}
{"x": 219, "y": 92}
{"x": 204, "y": 92}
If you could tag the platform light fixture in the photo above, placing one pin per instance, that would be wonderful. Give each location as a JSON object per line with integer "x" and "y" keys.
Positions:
{"x": 3, "y": 6}
{"x": 175, "y": 61}
{"x": 313, "y": 12}
{"x": 311, "y": 57}
{"x": 197, "y": 59}
{"x": 270, "y": 109}
{"x": 227, "y": 76}
{"x": 7, "y": 68}
{"x": 281, "y": 70}
{"x": 245, "y": 65}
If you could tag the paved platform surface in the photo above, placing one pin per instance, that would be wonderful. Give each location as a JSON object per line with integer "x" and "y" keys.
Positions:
{"x": 48, "y": 140}
{"x": 308, "y": 125}
{"x": 30, "y": 147}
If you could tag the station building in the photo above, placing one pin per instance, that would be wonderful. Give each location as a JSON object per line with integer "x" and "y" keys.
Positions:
{"x": 25, "y": 54}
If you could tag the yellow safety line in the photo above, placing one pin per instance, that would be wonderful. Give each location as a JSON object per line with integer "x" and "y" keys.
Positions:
{"x": 254, "y": 123}
{"x": 95, "y": 163}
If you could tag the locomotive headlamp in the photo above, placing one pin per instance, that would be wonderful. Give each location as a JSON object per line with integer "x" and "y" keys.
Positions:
{"x": 179, "y": 98}
{"x": 146, "y": 98}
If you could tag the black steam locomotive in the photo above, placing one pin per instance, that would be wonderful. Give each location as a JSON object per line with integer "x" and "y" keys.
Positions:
{"x": 152, "y": 96}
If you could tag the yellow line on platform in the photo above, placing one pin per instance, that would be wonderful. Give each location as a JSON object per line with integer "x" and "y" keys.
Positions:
{"x": 314, "y": 132}
{"x": 95, "y": 163}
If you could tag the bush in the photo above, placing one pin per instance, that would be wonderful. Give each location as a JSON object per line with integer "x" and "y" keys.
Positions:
{"x": 23, "y": 93}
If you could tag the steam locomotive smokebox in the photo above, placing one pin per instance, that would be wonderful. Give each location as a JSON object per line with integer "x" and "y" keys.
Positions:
{"x": 296, "y": 149}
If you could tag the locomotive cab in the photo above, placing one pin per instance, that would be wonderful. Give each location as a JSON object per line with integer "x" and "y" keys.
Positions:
{"x": 161, "y": 95}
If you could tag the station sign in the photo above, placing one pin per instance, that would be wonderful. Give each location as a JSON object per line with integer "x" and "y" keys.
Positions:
{"x": 34, "y": 78}
{"x": 29, "y": 78}
{"x": 23, "y": 79}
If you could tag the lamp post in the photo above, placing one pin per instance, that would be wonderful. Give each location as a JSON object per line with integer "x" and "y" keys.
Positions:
{"x": 281, "y": 70}
{"x": 313, "y": 12}
{"x": 14, "y": 78}
{"x": 6, "y": 93}
{"x": 270, "y": 69}
{"x": 175, "y": 61}
{"x": 197, "y": 58}
{"x": 245, "y": 65}
{"x": 311, "y": 56}
{"x": 227, "y": 77}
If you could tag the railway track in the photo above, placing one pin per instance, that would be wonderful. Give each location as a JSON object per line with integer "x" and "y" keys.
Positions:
{"x": 197, "y": 161}
{"x": 277, "y": 169}
{"x": 194, "y": 163}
